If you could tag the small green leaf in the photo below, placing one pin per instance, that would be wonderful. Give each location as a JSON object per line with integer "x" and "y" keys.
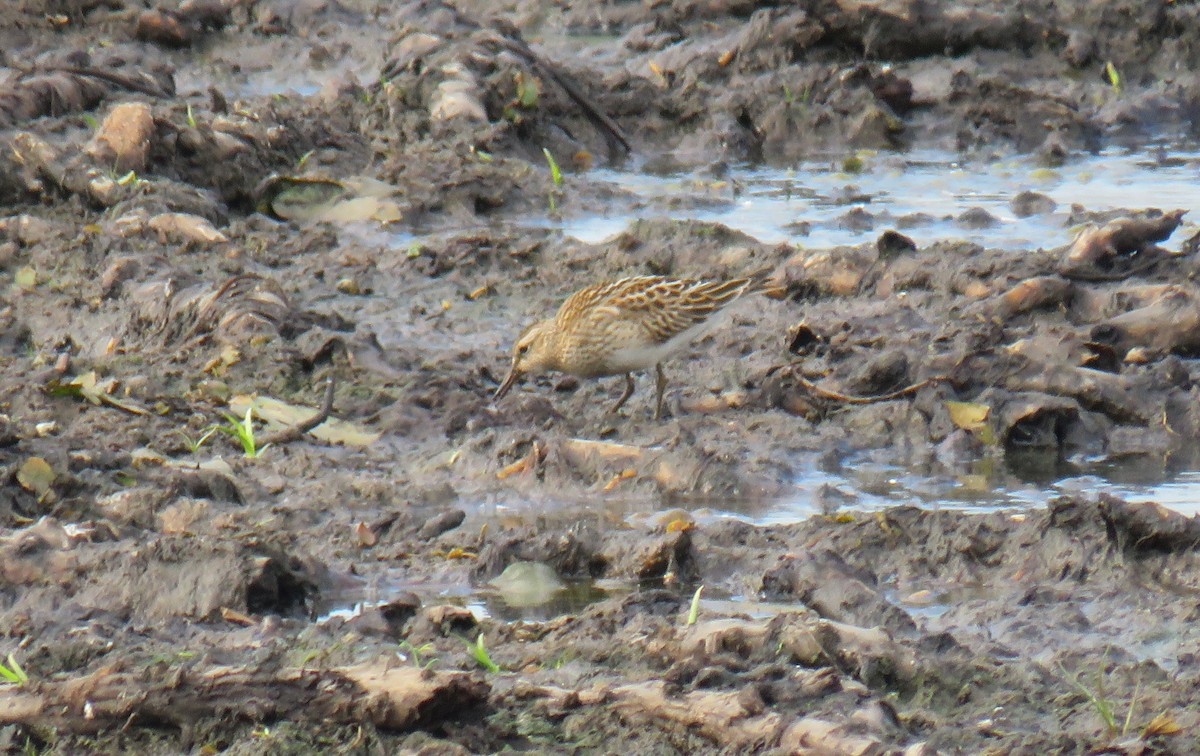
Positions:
{"x": 480, "y": 654}
{"x": 555, "y": 173}
{"x": 13, "y": 672}
{"x": 694, "y": 610}
{"x": 528, "y": 90}
{"x": 1112, "y": 76}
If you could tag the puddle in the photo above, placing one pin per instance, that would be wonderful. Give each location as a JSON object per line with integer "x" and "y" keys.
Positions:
{"x": 574, "y": 597}
{"x": 863, "y": 484}
{"x": 921, "y": 193}
{"x": 348, "y": 603}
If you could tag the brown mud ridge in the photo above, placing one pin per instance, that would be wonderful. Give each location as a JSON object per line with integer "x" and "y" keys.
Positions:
{"x": 177, "y": 236}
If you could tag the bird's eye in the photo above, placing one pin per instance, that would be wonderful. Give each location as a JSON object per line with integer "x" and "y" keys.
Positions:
{"x": 522, "y": 349}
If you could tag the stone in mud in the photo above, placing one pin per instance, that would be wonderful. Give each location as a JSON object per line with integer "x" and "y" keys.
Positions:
{"x": 827, "y": 584}
{"x": 1080, "y": 49}
{"x": 1145, "y": 528}
{"x": 124, "y": 138}
{"x": 892, "y": 243}
{"x": 442, "y": 621}
{"x": 442, "y": 522}
{"x": 164, "y": 28}
{"x": 857, "y": 219}
{"x": 388, "y": 619}
{"x": 884, "y": 372}
{"x": 977, "y": 218}
{"x": 1029, "y": 203}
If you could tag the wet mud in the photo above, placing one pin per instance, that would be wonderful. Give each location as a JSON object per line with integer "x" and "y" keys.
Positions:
{"x": 330, "y": 221}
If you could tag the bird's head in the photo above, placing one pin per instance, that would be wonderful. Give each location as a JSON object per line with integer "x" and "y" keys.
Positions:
{"x": 533, "y": 353}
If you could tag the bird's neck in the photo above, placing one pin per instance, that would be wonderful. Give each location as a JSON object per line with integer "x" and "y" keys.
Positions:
{"x": 553, "y": 345}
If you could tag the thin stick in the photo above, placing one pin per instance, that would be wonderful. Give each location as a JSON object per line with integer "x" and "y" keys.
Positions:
{"x": 836, "y": 396}
{"x": 288, "y": 435}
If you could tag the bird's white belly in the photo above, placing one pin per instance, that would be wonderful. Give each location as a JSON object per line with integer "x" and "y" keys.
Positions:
{"x": 631, "y": 357}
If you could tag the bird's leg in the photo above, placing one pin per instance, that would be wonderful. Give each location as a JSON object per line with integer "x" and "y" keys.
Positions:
{"x": 624, "y": 395}
{"x": 660, "y": 383}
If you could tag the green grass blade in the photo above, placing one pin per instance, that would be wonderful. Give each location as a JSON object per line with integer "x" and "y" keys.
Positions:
{"x": 555, "y": 173}
{"x": 694, "y": 610}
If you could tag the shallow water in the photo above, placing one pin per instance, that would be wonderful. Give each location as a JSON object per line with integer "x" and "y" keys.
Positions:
{"x": 921, "y": 193}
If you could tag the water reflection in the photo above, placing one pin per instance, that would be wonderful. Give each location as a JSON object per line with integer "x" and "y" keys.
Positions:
{"x": 926, "y": 194}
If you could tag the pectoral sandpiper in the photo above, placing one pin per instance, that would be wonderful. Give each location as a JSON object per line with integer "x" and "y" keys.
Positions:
{"x": 618, "y": 327}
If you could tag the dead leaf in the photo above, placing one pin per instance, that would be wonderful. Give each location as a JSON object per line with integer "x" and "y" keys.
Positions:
{"x": 1163, "y": 724}
{"x": 968, "y": 415}
{"x": 185, "y": 227}
{"x": 365, "y": 535}
{"x": 521, "y": 465}
{"x": 279, "y": 415}
{"x": 236, "y": 617}
{"x": 36, "y": 475}
{"x": 96, "y": 391}
{"x": 625, "y": 474}
{"x": 536, "y": 454}
{"x": 679, "y": 525}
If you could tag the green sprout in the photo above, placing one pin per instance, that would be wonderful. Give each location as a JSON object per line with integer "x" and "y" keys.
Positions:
{"x": 555, "y": 173}
{"x": 13, "y": 672}
{"x": 555, "y": 176}
{"x": 1102, "y": 705}
{"x": 480, "y": 655}
{"x": 694, "y": 610}
{"x": 416, "y": 652}
{"x": 1112, "y": 76}
{"x": 191, "y": 118}
{"x": 193, "y": 444}
{"x": 243, "y": 431}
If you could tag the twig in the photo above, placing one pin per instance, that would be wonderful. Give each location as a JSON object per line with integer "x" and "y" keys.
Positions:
{"x": 127, "y": 82}
{"x": 836, "y": 396}
{"x": 293, "y": 433}
{"x": 150, "y": 89}
{"x": 616, "y": 139}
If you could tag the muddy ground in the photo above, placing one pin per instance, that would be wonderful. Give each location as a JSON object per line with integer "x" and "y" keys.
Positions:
{"x": 214, "y": 200}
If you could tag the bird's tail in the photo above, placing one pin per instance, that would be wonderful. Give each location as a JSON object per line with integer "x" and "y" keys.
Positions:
{"x": 769, "y": 282}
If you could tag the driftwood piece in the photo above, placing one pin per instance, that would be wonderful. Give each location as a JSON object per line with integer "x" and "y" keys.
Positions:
{"x": 1170, "y": 323}
{"x": 735, "y": 722}
{"x": 1114, "y": 395}
{"x": 1095, "y": 251}
{"x": 47, "y": 162}
{"x": 1031, "y": 294}
{"x": 724, "y": 718}
{"x": 57, "y": 89}
{"x": 393, "y": 699}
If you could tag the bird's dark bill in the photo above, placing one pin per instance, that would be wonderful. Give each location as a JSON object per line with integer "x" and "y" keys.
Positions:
{"x": 504, "y": 387}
